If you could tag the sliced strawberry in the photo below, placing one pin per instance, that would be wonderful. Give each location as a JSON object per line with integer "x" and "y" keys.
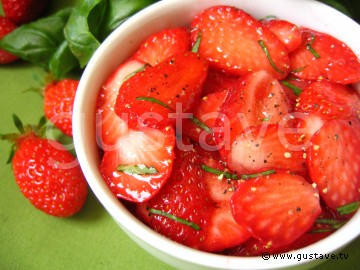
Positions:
{"x": 293, "y": 87}
{"x": 325, "y": 224}
{"x": 287, "y": 32}
{"x": 258, "y": 99}
{"x": 217, "y": 81}
{"x": 333, "y": 160}
{"x": 330, "y": 100}
{"x": 109, "y": 126}
{"x": 234, "y": 41}
{"x": 163, "y": 44}
{"x": 268, "y": 147}
{"x": 323, "y": 57}
{"x": 140, "y": 164}
{"x": 186, "y": 195}
{"x": 277, "y": 209}
{"x": 151, "y": 97}
{"x": 207, "y": 112}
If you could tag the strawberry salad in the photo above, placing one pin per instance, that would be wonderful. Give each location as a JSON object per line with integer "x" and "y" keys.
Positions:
{"x": 235, "y": 135}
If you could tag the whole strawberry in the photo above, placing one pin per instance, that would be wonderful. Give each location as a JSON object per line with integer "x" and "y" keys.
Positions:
{"x": 23, "y": 11}
{"x": 58, "y": 103}
{"x": 46, "y": 173}
{"x": 6, "y": 26}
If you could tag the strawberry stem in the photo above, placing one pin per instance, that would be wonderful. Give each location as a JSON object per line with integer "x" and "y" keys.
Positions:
{"x": 18, "y": 124}
{"x": 267, "y": 53}
{"x": 138, "y": 169}
{"x": 180, "y": 220}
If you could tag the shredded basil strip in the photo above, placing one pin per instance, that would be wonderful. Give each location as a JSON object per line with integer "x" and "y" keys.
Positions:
{"x": 200, "y": 124}
{"x": 196, "y": 46}
{"x": 334, "y": 223}
{"x": 142, "y": 68}
{"x": 321, "y": 231}
{"x": 311, "y": 49}
{"x": 154, "y": 100}
{"x": 180, "y": 220}
{"x": 266, "y": 51}
{"x": 218, "y": 172}
{"x": 138, "y": 169}
{"x": 298, "y": 69}
{"x": 297, "y": 91}
{"x": 259, "y": 174}
{"x": 348, "y": 208}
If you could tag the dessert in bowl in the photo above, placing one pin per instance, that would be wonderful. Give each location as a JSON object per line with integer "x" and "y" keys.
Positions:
{"x": 115, "y": 52}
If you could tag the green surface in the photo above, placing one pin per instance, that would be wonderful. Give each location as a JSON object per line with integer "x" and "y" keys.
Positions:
{"x": 32, "y": 240}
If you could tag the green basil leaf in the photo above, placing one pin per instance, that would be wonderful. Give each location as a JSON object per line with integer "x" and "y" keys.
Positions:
{"x": 139, "y": 169}
{"x": 119, "y": 10}
{"x": 37, "y": 41}
{"x": 78, "y": 32}
{"x": 62, "y": 62}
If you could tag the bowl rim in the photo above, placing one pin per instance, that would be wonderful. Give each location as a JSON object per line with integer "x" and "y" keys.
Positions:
{"x": 131, "y": 224}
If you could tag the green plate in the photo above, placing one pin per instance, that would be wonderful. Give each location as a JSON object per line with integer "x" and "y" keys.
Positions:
{"x": 32, "y": 240}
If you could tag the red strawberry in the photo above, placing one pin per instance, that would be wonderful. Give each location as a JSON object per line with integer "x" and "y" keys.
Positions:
{"x": 329, "y": 100}
{"x": 293, "y": 87}
{"x": 235, "y": 42}
{"x": 268, "y": 147}
{"x": 287, "y": 32}
{"x": 163, "y": 44}
{"x": 204, "y": 118}
{"x": 58, "y": 103}
{"x": 218, "y": 81}
{"x": 23, "y": 11}
{"x": 333, "y": 160}
{"x": 258, "y": 99}
{"x": 325, "y": 224}
{"x": 151, "y": 96}
{"x": 186, "y": 195}
{"x": 109, "y": 126}
{"x": 6, "y": 27}
{"x": 277, "y": 209}
{"x": 46, "y": 173}
{"x": 139, "y": 164}
{"x": 323, "y": 57}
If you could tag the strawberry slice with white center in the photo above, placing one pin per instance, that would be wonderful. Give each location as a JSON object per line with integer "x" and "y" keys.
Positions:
{"x": 277, "y": 209}
{"x": 151, "y": 97}
{"x": 329, "y": 100}
{"x": 198, "y": 128}
{"x": 163, "y": 44}
{"x": 268, "y": 147}
{"x": 258, "y": 99}
{"x": 224, "y": 231}
{"x": 139, "y": 164}
{"x": 235, "y": 42}
{"x": 108, "y": 125}
{"x": 189, "y": 211}
{"x": 321, "y": 56}
{"x": 333, "y": 160}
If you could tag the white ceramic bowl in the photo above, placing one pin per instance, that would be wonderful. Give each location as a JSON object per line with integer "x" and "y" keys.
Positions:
{"x": 124, "y": 41}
